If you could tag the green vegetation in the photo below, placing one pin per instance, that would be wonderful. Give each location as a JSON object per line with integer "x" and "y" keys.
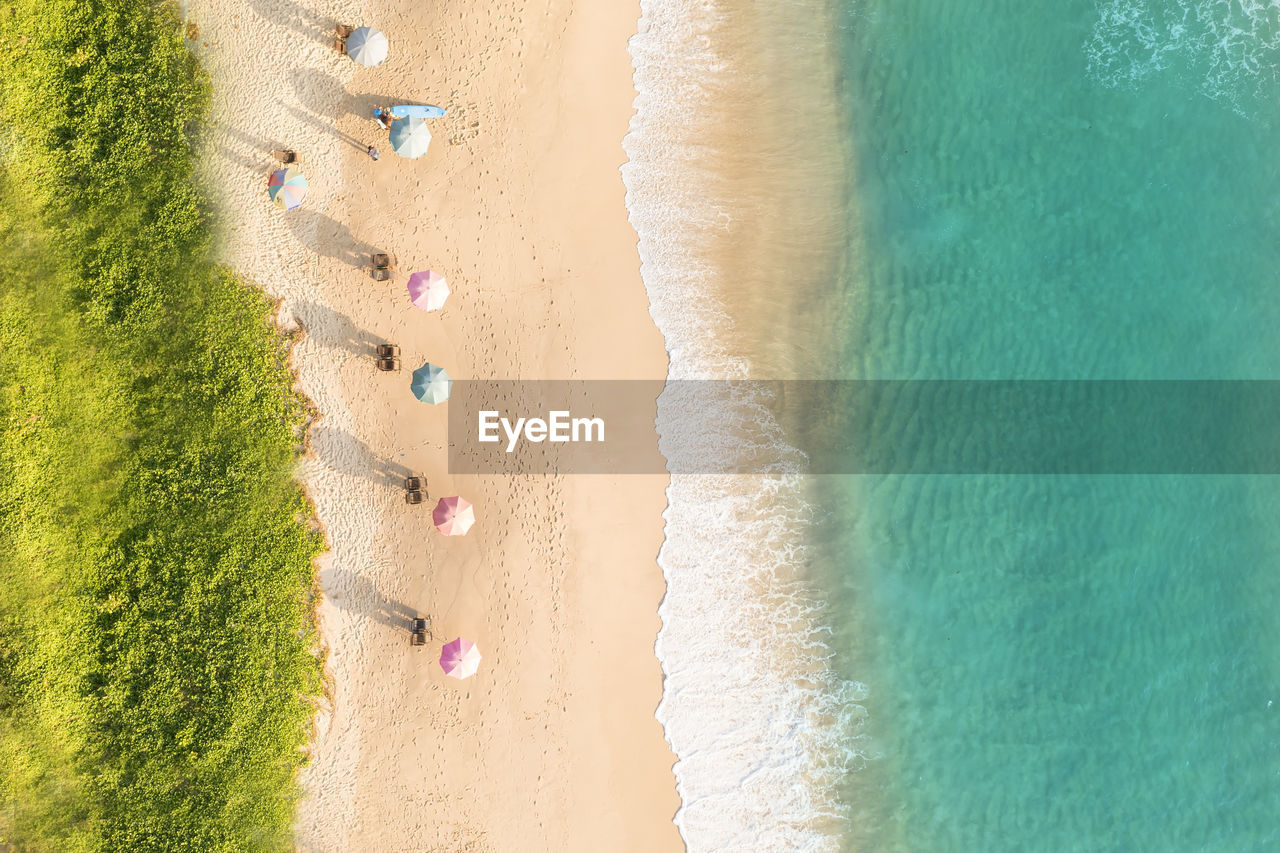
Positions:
{"x": 157, "y": 651}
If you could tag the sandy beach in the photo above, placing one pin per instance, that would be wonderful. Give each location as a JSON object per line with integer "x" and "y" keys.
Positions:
{"x": 553, "y": 745}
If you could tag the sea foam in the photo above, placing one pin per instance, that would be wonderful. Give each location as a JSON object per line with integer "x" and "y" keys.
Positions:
{"x": 762, "y": 728}
{"x": 1228, "y": 49}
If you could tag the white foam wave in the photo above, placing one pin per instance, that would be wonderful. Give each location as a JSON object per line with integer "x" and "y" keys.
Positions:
{"x": 1230, "y": 48}
{"x": 762, "y": 728}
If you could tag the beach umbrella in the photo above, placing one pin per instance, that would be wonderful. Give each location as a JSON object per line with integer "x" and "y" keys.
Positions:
{"x": 431, "y": 384}
{"x": 453, "y": 516}
{"x": 367, "y": 46}
{"x": 410, "y": 137}
{"x": 428, "y": 290}
{"x": 287, "y": 187}
{"x": 460, "y": 659}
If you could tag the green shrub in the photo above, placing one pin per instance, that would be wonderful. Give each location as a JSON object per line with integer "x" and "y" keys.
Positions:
{"x": 157, "y": 648}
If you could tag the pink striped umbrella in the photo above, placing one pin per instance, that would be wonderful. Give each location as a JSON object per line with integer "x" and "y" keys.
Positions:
{"x": 460, "y": 659}
{"x": 453, "y": 516}
{"x": 428, "y": 290}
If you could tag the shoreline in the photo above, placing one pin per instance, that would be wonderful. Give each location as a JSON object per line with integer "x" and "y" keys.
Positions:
{"x": 554, "y": 744}
{"x": 741, "y": 220}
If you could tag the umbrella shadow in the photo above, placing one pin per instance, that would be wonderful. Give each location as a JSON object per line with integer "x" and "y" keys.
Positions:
{"x": 317, "y": 90}
{"x": 327, "y": 127}
{"x": 343, "y": 452}
{"x": 363, "y": 104}
{"x": 358, "y": 594}
{"x": 255, "y": 166}
{"x": 298, "y": 18}
{"x": 329, "y": 237}
{"x": 222, "y": 141}
{"x": 331, "y": 329}
{"x": 259, "y": 143}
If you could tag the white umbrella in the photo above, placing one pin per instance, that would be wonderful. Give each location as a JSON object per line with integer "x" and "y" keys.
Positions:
{"x": 367, "y": 46}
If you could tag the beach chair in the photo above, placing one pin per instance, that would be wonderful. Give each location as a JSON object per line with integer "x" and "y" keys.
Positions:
{"x": 415, "y": 484}
{"x": 383, "y": 265}
{"x": 389, "y": 349}
{"x": 388, "y": 363}
{"x": 285, "y": 155}
{"x": 421, "y": 632}
{"x": 414, "y": 497}
{"x": 340, "y": 38}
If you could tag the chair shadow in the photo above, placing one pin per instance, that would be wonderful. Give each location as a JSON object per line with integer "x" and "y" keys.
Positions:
{"x": 301, "y": 20}
{"x": 360, "y": 595}
{"x": 343, "y": 452}
{"x": 331, "y": 329}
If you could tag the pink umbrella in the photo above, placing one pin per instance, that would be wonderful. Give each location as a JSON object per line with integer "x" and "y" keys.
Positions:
{"x": 453, "y": 516}
{"x": 428, "y": 290}
{"x": 460, "y": 659}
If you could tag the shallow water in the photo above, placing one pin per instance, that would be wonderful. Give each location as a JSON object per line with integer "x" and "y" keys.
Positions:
{"x": 965, "y": 190}
{"x": 1060, "y": 191}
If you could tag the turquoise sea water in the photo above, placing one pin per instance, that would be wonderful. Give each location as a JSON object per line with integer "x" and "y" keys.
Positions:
{"x": 1065, "y": 190}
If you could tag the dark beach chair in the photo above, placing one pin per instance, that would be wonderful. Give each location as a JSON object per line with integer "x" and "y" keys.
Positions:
{"x": 421, "y": 631}
{"x": 389, "y": 349}
{"x": 340, "y": 38}
{"x": 383, "y": 265}
{"x": 388, "y": 363}
{"x": 415, "y": 484}
{"x": 285, "y": 155}
{"x": 414, "y": 497}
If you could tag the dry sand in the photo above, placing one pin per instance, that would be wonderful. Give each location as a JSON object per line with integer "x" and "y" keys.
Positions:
{"x": 553, "y": 745}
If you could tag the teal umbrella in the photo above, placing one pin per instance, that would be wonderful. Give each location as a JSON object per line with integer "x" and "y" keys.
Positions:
{"x": 431, "y": 384}
{"x": 410, "y": 137}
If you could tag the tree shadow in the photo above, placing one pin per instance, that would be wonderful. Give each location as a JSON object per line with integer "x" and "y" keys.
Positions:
{"x": 343, "y": 452}
{"x": 298, "y": 18}
{"x": 331, "y": 329}
{"x": 358, "y": 594}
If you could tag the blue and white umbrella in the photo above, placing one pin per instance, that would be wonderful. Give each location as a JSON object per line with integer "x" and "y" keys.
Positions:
{"x": 410, "y": 137}
{"x": 431, "y": 384}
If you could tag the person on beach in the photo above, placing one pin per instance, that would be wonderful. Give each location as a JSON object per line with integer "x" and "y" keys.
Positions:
{"x": 373, "y": 153}
{"x": 383, "y": 118}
